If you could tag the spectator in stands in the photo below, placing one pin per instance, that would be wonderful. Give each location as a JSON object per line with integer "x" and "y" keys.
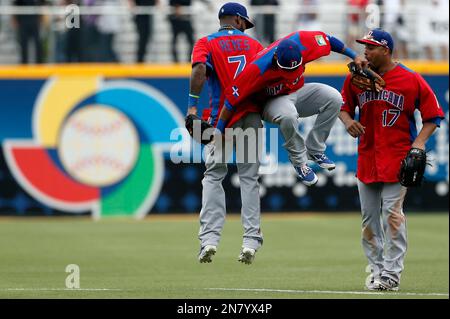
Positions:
{"x": 90, "y": 35}
{"x": 308, "y": 18}
{"x": 60, "y": 34}
{"x": 28, "y": 30}
{"x": 393, "y": 20}
{"x": 265, "y": 23}
{"x": 180, "y": 21}
{"x": 108, "y": 25}
{"x": 73, "y": 39}
{"x": 437, "y": 15}
{"x": 144, "y": 26}
{"x": 355, "y": 20}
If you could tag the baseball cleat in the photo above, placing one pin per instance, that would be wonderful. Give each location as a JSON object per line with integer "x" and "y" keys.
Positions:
{"x": 247, "y": 255}
{"x": 306, "y": 175}
{"x": 386, "y": 283}
{"x": 206, "y": 254}
{"x": 323, "y": 161}
{"x": 372, "y": 283}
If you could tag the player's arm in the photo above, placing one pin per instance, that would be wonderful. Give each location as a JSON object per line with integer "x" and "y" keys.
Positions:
{"x": 339, "y": 47}
{"x": 246, "y": 84}
{"x": 198, "y": 78}
{"x": 430, "y": 111}
{"x": 424, "y": 134}
{"x": 347, "y": 114}
{"x": 353, "y": 127}
{"x": 200, "y": 66}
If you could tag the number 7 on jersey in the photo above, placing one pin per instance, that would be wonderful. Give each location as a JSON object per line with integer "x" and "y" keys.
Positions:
{"x": 240, "y": 59}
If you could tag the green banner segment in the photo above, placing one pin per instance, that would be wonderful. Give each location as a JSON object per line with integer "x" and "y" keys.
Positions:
{"x": 127, "y": 199}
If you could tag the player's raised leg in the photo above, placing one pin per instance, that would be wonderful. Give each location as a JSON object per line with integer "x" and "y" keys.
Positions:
{"x": 325, "y": 101}
{"x": 282, "y": 112}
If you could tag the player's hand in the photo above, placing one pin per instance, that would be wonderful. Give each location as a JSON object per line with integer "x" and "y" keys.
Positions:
{"x": 419, "y": 145}
{"x": 354, "y": 128}
{"x": 361, "y": 62}
{"x": 192, "y": 110}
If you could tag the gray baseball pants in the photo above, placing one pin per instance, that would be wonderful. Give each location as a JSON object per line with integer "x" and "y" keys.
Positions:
{"x": 311, "y": 99}
{"x": 384, "y": 237}
{"x": 212, "y": 214}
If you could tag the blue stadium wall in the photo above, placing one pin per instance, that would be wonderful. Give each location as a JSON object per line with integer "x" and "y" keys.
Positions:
{"x": 179, "y": 190}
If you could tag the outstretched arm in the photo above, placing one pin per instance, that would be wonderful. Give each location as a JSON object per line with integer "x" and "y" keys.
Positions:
{"x": 339, "y": 47}
{"x": 198, "y": 78}
{"x": 246, "y": 84}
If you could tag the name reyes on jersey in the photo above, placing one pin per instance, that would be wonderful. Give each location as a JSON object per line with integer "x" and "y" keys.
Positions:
{"x": 234, "y": 45}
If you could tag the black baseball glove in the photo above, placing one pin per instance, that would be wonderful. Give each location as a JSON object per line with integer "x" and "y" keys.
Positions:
{"x": 412, "y": 168}
{"x": 198, "y": 134}
{"x": 366, "y": 79}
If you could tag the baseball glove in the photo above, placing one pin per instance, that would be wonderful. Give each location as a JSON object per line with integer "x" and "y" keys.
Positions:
{"x": 412, "y": 168}
{"x": 203, "y": 125}
{"x": 366, "y": 79}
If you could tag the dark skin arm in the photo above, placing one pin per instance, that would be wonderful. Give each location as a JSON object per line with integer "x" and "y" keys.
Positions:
{"x": 198, "y": 78}
{"x": 425, "y": 133}
{"x": 225, "y": 114}
{"x": 354, "y": 128}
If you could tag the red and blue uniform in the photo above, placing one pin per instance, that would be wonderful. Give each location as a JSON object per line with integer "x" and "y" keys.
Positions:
{"x": 388, "y": 117}
{"x": 262, "y": 80}
{"x": 226, "y": 54}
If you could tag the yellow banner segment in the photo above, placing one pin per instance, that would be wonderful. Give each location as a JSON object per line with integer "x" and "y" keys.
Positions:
{"x": 60, "y": 96}
{"x": 184, "y": 70}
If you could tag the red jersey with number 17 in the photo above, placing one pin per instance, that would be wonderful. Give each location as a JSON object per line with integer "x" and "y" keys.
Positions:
{"x": 226, "y": 54}
{"x": 390, "y": 125}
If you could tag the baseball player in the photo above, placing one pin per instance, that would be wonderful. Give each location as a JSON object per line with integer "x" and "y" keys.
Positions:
{"x": 274, "y": 80}
{"x": 218, "y": 58}
{"x": 386, "y": 130}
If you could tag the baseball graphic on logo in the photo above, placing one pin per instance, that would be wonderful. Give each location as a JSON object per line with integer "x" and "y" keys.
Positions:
{"x": 98, "y": 145}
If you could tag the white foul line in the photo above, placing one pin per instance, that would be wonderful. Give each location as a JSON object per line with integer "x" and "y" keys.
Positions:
{"x": 59, "y": 289}
{"x": 331, "y": 292}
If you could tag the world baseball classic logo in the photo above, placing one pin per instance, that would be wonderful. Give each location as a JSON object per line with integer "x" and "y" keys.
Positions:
{"x": 97, "y": 146}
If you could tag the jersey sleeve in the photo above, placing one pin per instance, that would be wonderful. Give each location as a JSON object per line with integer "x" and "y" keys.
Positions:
{"x": 316, "y": 43}
{"x": 258, "y": 47}
{"x": 427, "y": 102}
{"x": 247, "y": 83}
{"x": 349, "y": 104}
{"x": 201, "y": 52}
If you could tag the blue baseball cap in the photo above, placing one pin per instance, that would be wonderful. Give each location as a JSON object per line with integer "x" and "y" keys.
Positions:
{"x": 288, "y": 54}
{"x": 236, "y": 9}
{"x": 378, "y": 37}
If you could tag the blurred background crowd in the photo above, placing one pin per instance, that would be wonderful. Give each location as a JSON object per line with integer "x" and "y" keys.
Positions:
{"x": 164, "y": 31}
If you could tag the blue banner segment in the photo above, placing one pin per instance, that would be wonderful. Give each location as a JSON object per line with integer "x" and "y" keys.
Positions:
{"x": 155, "y": 120}
{"x": 17, "y": 98}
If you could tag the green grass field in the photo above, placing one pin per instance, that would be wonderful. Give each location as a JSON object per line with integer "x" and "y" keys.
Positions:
{"x": 304, "y": 256}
